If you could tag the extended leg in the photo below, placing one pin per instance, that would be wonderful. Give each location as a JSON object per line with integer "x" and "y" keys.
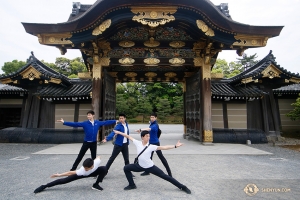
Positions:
{"x": 82, "y": 152}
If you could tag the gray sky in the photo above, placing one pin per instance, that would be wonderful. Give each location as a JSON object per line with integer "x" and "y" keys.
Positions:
{"x": 17, "y": 44}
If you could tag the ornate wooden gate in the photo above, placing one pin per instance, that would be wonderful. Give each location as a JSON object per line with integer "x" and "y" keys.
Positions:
{"x": 193, "y": 106}
{"x": 109, "y": 102}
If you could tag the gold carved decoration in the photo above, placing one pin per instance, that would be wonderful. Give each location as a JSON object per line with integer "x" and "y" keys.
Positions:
{"x": 151, "y": 61}
{"x": 153, "y": 16}
{"x": 55, "y": 80}
{"x": 176, "y": 61}
{"x": 204, "y": 28}
{"x": 271, "y": 72}
{"x": 247, "y": 80}
{"x": 150, "y": 75}
{"x": 5, "y": 81}
{"x": 131, "y": 75}
{"x": 217, "y": 75}
{"x": 208, "y": 136}
{"x": 84, "y": 75}
{"x": 170, "y": 75}
{"x": 250, "y": 40}
{"x": 126, "y": 61}
{"x": 151, "y": 43}
{"x": 198, "y": 61}
{"x": 104, "y": 61}
{"x": 97, "y": 69}
{"x": 177, "y": 44}
{"x": 102, "y": 27}
{"x": 206, "y": 72}
{"x": 126, "y": 43}
{"x": 30, "y": 73}
{"x": 57, "y": 38}
{"x": 294, "y": 80}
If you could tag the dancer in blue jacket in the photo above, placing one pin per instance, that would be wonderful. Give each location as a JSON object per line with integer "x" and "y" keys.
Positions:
{"x": 121, "y": 142}
{"x": 90, "y": 127}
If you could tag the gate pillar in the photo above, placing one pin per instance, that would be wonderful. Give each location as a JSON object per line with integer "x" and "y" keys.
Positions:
{"x": 97, "y": 88}
{"x": 206, "y": 98}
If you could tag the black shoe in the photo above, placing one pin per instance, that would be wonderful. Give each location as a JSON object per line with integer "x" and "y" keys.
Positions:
{"x": 97, "y": 187}
{"x": 39, "y": 189}
{"x": 145, "y": 174}
{"x": 130, "y": 187}
{"x": 187, "y": 190}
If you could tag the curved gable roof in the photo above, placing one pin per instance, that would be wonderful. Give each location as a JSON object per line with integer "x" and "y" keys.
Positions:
{"x": 35, "y": 69}
{"x": 95, "y": 14}
{"x": 265, "y": 68}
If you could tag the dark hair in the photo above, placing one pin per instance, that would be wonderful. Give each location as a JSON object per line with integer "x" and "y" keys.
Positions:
{"x": 88, "y": 163}
{"x": 122, "y": 115}
{"x": 143, "y": 133}
{"x": 153, "y": 114}
{"x": 90, "y": 112}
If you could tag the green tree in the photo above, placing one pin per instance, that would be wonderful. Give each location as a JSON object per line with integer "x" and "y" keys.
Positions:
{"x": 163, "y": 108}
{"x": 13, "y": 66}
{"x": 295, "y": 114}
{"x": 247, "y": 61}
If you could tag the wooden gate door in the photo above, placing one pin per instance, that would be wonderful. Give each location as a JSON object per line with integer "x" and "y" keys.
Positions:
{"x": 193, "y": 107}
{"x": 109, "y": 102}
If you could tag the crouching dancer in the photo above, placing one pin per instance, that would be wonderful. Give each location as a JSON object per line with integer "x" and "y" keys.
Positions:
{"x": 90, "y": 168}
{"x": 146, "y": 164}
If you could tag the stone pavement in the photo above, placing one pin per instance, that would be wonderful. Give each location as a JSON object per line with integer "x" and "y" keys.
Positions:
{"x": 221, "y": 171}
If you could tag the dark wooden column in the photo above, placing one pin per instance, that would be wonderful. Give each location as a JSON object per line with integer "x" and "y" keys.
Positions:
{"x": 184, "y": 110}
{"x": 97, "y": 90}
{"x": 206, "y": 103}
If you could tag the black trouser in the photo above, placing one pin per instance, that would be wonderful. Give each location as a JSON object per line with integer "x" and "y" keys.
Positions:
{"x": 162, "y": 158}
{"x": 100, "y": 172}
{"x": 117, "y": 149}
{"x": 85, "y": 146}
{"x": 153, "y": 170}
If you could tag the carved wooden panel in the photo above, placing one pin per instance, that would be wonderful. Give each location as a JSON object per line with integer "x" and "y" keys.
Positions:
{"x": 193, "y": 106}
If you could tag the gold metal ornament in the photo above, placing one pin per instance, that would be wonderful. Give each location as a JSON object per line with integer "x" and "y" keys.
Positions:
{"x": 177, "y": 44}
{"x": 102, "y": 27}
{"x": 153, "y": 16}
{"x": 204, "y": 28}
{"x": 151, "y": 43}
{"x": 126, "y": 43}
{"x": 151, "y": 61}
{"x": 176, "y": 61}
{"x": 126, "y": 61}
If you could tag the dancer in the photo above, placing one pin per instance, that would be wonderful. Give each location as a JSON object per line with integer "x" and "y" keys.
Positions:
{"x": 90, "y": 127}
{"x": 90, "y": 168}
{"x": 121, "y": 143}
{"x": 146, "y": 164}
{"x": 153, "y": 130}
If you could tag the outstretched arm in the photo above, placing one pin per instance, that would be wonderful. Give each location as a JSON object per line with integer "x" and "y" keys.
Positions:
{"x": 143, "y": 129}
{"x": 123, "y": 134}
{"x": 69, "y": 173}
{"x": 166, "y": 147}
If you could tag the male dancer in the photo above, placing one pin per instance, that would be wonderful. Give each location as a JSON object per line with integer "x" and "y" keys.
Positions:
{"x": 146, "y": 164}
{"x": 153, "y": 129}
{"x": 90, "y": 127}
{"x": 90, "y": 168}
{"x": 121, "y": 143}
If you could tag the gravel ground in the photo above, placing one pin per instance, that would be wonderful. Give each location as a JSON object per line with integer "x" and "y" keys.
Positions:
{"x": 208, "y": 176}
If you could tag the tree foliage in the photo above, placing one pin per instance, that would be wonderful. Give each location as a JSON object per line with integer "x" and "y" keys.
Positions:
{"x": 247, "y": 61}
{"x": 13, "y": 66}
{"x": 295, "y": 114}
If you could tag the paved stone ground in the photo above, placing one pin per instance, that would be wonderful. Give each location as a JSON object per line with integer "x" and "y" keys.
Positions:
{"x": 209, "y": 176}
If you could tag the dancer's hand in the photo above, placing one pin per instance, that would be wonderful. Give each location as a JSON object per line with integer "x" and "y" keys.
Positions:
{"x": 179, "y": 144}
{"x": 61, "y": 120}
{"x": 55, "y": 175}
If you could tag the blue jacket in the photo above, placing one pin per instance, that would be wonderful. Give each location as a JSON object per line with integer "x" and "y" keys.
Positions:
{"x": 153, "y": 132}
{"x": 90, "y": 130}
{"x": 119, "y": 138}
